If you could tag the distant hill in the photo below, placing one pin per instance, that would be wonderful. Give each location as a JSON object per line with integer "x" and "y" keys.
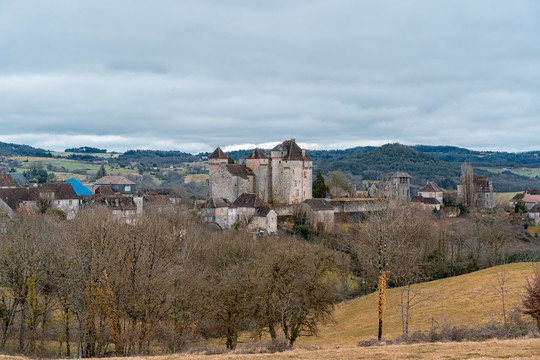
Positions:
{"x": 382, "y": 162}
{"x": 7, "y": 149}
{"x": 482, "y": 158}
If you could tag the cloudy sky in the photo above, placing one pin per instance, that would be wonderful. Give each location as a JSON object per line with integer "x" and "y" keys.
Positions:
{"x": 192, "y": 75}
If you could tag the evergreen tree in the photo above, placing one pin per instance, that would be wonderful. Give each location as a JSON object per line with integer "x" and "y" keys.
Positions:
{"x": 101, "y": 172}
{"x": 231, "y": 160}
{"x": 319, "y": 186}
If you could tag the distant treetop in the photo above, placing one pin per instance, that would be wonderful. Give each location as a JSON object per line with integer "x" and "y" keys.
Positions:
{"x": 86, "y": 149}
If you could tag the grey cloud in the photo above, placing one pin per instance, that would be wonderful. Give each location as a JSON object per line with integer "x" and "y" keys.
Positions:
{"x": 193, "y": 75}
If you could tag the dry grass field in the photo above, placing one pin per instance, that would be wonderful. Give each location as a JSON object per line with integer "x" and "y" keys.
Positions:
{"x": 462, "y": 300}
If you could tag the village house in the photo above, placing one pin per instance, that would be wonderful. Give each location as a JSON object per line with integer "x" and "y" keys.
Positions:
{"x": 483, "y": 193}
{"x": 431, "y": 190}
{"x": 319, "y": 213}
{"x": 248, "y": 210}
{"x": 119, "y": 184}
{"x": 534, "y": 214}
{"x": 429, "y": 203}
{"x": 529, "y": 197}
{"x": 46, "y": 196}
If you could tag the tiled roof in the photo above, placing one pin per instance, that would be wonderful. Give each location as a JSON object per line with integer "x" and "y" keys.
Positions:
{"x": 430, "y": 187}
{"x": 105, "y": 190}
{"x": 253, "y": 201}
{"x": 13, "y": 197}
{"x": 533, "y": 191}
{"x": 531, "y": 198}
{"x": 294, "y": 152}
{"x": 239, "y": 170}
{"x": 535, "y": 209}
{"x": 319, "y": 204}
{"x": 257, "y": 154}
{"x": 218, "y": 154}
{"x": 518, "y": 196}
{"x": 114, "y": 180}
{"x": 215, "y": 203}
{"x": 19, "y": 179}
{"x": 62, "y": 191}
{"x": 418, "y": 199}
{"x": 425, "y": 200}
{"x": 431, "y": 201}
{"x": 7, "y": 180}
{"x": 159, "y": 200}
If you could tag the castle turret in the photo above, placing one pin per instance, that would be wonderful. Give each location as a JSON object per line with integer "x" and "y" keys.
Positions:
{"x": 259, "y": 163}
{"x": 217, "y": 158}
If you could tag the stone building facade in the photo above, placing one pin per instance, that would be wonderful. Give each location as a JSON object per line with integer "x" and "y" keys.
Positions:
{"x": 279, "y": 176}
{"x": 482, "y": 190}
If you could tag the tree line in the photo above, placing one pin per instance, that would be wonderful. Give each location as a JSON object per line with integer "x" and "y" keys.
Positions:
{"x": 98, "y": 285}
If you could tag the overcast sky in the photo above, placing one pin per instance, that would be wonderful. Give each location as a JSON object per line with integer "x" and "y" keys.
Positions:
{"x": 193, "y": 75}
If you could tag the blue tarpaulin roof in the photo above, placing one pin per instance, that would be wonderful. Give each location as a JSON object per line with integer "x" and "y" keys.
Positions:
{"x": 79, "y": 188}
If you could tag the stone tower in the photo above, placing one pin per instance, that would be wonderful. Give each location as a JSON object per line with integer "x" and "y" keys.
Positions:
{"x": 401, "y": 187}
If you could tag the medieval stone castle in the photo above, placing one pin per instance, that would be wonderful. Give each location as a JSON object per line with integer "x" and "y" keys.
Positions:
{"x": 280, "y": 176}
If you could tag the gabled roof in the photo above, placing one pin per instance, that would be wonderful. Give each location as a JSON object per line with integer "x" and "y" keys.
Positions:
{"x": 425, "y": 200}
{"x": 7, "y": 181}
{"x": 518, "y": 196}
{"x": 253, "y": 201}
{"x": 19, "y": 179}
{"x": 257, "y": 154}
{"x": 78, "y": 187}
{"x": 531, "y": 198}
{"x": 239, "y": 170}
{"x": 218, "y": 154}
{"x": 159, "y": 200}
{"x": 216, "y": 203}
{"x": 532, "y": 191}
{"x": 13, "y": 197}
{"x": 62, "y": 191}
{"x": 319, "y": 204}
{"x": 294, "y": 152}
{"x": 535, "y": 209}
{"x": 430, "y": 187}
{"x": 105, "y": 190}
{"x": 114, "y": 180}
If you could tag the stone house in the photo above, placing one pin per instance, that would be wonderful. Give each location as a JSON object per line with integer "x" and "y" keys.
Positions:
{"x": 279, "y": 176}
{"x": 426, "y": 202}
{"x": 248, "y": 210}
{"x": 319, "y": 214}
{"x": 484, "y": 195}
{"x": 219, "y": 211}
{"x": 256, "y": 213}
{"x": 56, "y": 196}
{"x": 534, "y": 214}
{"x": 431, "y": 190}
{"x": 530, "y": 200}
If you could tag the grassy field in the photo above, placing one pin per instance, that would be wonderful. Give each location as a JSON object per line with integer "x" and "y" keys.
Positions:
{"x": 523, "y": 171}
{"x": 506, "y": 196}
{"x": 466, "y": 300}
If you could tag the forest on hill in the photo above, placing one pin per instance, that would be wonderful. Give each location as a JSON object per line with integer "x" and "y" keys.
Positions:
{"x": 382, "y": 162}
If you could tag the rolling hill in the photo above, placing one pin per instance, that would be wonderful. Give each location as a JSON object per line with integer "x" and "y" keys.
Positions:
{"x": 469, "y": 299}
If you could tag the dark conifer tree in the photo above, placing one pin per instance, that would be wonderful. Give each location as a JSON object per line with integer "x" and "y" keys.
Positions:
{"x": 319, "y": 186}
